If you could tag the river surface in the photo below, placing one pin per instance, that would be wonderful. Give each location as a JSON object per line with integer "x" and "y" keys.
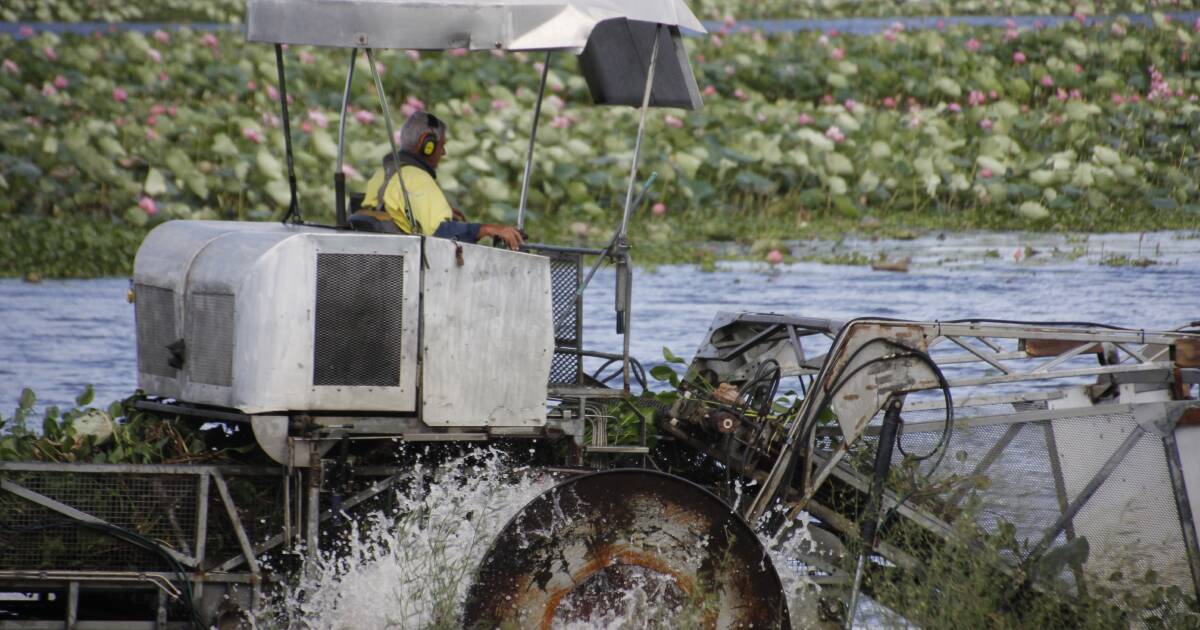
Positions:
{"x": 58, "y": 336}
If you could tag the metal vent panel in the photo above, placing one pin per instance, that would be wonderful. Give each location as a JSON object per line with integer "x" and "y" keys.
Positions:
{"x": 359, "y": 320}
{"x": 209, "y": 338}
{"x": 565, "y": 277}
{"x": 154, "y": 312}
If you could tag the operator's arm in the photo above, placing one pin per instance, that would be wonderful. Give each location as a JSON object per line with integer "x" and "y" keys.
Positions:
{"x": 472, "y": 232}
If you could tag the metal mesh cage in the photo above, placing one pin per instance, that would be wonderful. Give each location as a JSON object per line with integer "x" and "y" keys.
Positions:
{"x": 209, "y": 338}
{"x": 157, "y": 507}
{"x": 359, "y": 320}
{"x": 154, "y": 314}
{"x": 565, "y": 276}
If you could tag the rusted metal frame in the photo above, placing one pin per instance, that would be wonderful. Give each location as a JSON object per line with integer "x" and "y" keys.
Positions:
{"x": 1060, "y": 492}
{"x": 236, "y": 522}
{"x": 983, "y": 356}
{"x": 750, "y": 343}
{"x": 1044, "y": 376}
{"x": 371, "y": 491}
{"x": 955, "y": 359}
{"x": 1090, "y": 489}
{"x": 78, "y": 515}
{"x": 1184, "y": 507}
{"x": 157, "y": 469}
{"x": 891, "y": 501}
{"x": 987, "y": 460}
{"x": 1062, "y": 358}
{"x": 976, "y": 401}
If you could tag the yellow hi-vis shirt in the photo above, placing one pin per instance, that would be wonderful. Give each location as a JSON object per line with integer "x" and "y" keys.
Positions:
{"x": 429, "y": 205}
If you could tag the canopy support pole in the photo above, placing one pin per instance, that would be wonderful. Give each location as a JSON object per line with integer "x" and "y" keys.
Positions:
{"x": 537, "y": 113}
{"x": 624, "y": 279}
{"x": 387, "y": 120}
{"x": 293, "y": 204}
{"x": 339, "y": 178}
{"x": 637, "y": 147}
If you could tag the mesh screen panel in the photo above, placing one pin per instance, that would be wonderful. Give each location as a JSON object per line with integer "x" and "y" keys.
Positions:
{"x": 210, "y": 338}
{"x": 359, "y": 320}
{"x": 154, "y": 314}
{"x": 159, "y": 507}
{"x": 565, "y": 270}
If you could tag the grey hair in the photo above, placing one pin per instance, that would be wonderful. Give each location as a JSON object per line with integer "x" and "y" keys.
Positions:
{"x": 418, "y": 125}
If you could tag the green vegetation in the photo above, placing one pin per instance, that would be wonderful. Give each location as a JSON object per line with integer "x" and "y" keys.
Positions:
{"x": 1065, "y": 128}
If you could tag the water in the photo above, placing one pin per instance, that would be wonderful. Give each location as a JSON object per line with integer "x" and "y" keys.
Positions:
{"x": 61, "y": 335}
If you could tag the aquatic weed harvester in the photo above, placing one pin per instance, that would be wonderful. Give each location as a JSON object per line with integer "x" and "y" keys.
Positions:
{"x": 335, "y": 347}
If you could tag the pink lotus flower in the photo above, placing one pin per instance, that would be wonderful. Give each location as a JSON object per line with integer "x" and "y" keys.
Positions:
{"x": 561, "y": 122}
{"x": 154, "y": 55}
{"x": 1011, "y": 34}
{"x": 50, "y": 53}
{"x": 49, "y": 90}
{"x": 889, "y": 102}
{"x": 61, "y": 82}
{"x": 413, "y": 55}
{"x": 1117, "y": 29}
{"x": 850, "y": 104}
{"x": 171, "y": 111}
{"x": 973, "y": 45}
{"x": 318, "y": 118}
{"x": 774, "y": 257}
{"x": 306, "y": 126}
{"x": 251, "y": 85}
{"x": 151, "y": 135}
{"x": 209, "y": 40}
{"x": 838, "y": 53}
{"x": 272, "y": 93}
{"x": 833, "y": 32}
{"x": 715, "y": 40}
{"x": 1047, "y": 80}
{"x": 351, "y": 172}
{"x": 740, "y": 95}
{"x": 252, "y": 134}
{"x": 804, "y": 119}
{"x": 151, "y": 120}
{"x": 710, "y": 90}
{"x": 120, "y": 95}
{"x": 986, "y": 173}
{"x": 157, "y": 109}
{"x": 823, "y": 41}
{"x": 889, "y": 35}
{"x": 976, "y": 98}
{"x": 993, "y": 95}
{"x": 1018, "y": 57}
{"x": 898, "y": 27}
{"x": 162, "y": 77}
{"x": 827, "y": 99}
{"x": 835, "y": 134}
{"x": 1061, "y": 94}
{"x": 673, "y": 121}
{"x": 162, "y": 37}
{"x": 25, "y": 31}
{"x": 941, "y": 25}
{"x": 147, "y": 204}
{"x": 1076, "y": 94}
{"x": 986, "y": 124}
{"x": 954, "y": 107}
{"x": 659, "y": 209}
{"x": 33, "y": 121}
{"x": 1117, "y": 99}
{"x": 365, "y": 117}
{"x": 499, "y": 104}
{"x": 458, "y": 52}
{"x": 305, "y": 57}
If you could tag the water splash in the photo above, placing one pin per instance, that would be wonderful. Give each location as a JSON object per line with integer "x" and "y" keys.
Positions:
{"x": 412, "y": 567}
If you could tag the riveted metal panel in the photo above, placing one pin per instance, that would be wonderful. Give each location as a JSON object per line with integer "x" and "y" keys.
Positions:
{"x": 154, "y": 311}
{"x": 209, "y": 338}
{"x": 359, "y": 320}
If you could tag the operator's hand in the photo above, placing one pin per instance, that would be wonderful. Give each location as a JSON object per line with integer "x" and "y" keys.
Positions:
{"x": 510, "y": 235}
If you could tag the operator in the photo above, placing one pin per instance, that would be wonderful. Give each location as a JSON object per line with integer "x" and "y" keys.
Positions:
{"x": 422, "y": 145}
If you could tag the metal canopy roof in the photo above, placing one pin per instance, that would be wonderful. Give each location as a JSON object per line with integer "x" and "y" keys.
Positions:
{"x": 613, "y": 37}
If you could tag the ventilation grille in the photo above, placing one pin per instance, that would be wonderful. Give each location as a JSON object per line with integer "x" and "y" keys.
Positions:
{"x": 154, "y": 314}
{"x": 209, "y": 338}
{"x": 565, "y": 277}
{"x": 357, "y": 333}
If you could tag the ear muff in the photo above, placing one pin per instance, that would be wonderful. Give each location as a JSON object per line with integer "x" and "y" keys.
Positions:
{"x": 428, "y": 144}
